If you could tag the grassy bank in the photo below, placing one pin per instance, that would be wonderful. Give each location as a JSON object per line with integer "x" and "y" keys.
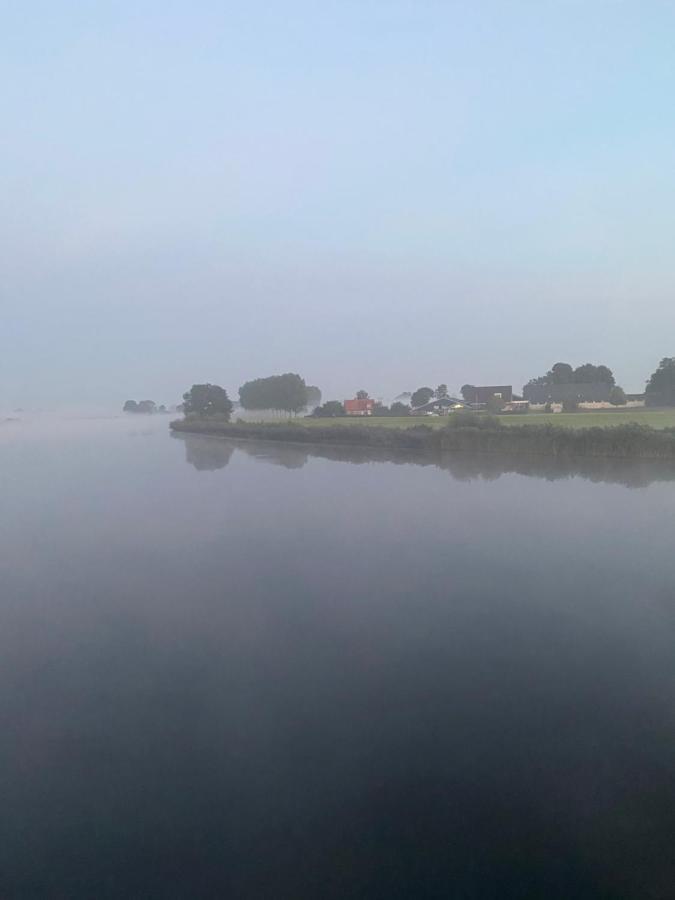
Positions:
{"x": 654, "y": 418}
{"x": 486, "y": 435}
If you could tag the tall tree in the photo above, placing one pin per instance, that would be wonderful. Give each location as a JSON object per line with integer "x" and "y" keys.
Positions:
{"x": 421, "y": 396}
{"x": 130, "y": 406}
{"x": 207, "y": 400}
{"x": 441, "y": 391}
{"x": 284, "y": 393}
{"x": 313, "y": 396}
{"x": 660, "y": 389}
{"x": 362, "y": 395}
{"x": 563, "y": 373}
{"x": 590, "y": 374}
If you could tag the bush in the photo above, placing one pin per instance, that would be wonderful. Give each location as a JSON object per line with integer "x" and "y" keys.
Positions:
{"x": 617, "y": 396}
{"x": 570, "y": 404}
{"x": 329, "y": 410}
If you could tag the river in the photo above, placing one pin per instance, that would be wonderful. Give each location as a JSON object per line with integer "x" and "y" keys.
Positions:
{"x": 263, "y": 671}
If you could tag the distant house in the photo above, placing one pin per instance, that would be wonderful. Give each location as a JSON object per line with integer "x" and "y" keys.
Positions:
{"x": 485, "y": 393}
{"x": 359, "y": 407}
{"x": 439, "y": 406}
{"x": 598, "y": 392}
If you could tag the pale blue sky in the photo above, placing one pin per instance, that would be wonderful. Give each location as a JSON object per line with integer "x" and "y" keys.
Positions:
{"x": 373, "y": 194}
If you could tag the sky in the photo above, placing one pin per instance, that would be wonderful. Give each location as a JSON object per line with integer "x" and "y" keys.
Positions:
{"x": 376, "y": 194}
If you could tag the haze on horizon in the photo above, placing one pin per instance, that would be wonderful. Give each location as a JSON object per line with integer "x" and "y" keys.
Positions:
{"x": 372, "y": 194}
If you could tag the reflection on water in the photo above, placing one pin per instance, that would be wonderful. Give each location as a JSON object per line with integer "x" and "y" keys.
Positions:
{"x": 326, "y": 673}
{"x": 206, "y": 452}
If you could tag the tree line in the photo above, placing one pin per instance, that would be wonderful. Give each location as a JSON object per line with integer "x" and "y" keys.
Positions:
{"x": 288, "y": 393}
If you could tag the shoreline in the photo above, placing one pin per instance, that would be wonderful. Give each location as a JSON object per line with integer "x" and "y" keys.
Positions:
{"x": 616, "y": 442}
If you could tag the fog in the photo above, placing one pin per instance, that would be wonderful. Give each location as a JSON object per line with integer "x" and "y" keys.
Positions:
{"x": 375, "y": 195}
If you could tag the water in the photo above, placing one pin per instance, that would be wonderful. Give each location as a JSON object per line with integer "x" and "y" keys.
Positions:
{"x": 268, "y": 672}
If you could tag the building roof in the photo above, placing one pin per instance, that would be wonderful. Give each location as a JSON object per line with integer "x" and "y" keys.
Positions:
{"x": 439, "y": 402}
{"x": 359, "y": 405}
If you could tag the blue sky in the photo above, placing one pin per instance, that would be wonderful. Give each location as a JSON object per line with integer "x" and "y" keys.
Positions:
{"x": 373, "y": 194}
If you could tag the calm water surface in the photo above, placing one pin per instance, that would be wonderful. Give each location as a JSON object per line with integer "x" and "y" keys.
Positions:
{"x": 262, "y": 672}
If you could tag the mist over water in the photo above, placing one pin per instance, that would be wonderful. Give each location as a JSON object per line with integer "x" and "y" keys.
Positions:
{"x": 256, "y": 671}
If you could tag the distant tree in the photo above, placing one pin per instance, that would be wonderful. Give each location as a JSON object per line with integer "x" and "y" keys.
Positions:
{"x": 617, "y": 396}
{"x": 362, "y": 395}
{"x": 570, "y": 404}
{"x": 468, "y": 392}
{"x": 313, "y": 396}
{"x": 162, "y": 408}
{"x": 381, "y": 410}
{"x": 590, "y": 374}
{"x": 660, "y": 389}
{"x": 147, "y": 406}
{"x": 421, "y": 396}
{"x": 330, "y": 410}
{"x": 399, "y": 409}
{"x": 130, "y": 406}
{"x": 207, "y": 400}
{"x": 563, "y": 373}
{"x": 284, "y": 393}
{"x": 441, "y": 391}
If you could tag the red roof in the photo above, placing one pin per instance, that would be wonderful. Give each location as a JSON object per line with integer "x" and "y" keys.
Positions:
{"x": 359, "y": 405}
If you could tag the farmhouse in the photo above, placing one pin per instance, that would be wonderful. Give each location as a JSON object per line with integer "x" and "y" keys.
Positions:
{"x": 486, "y": 393}
{"x": 359, "y": 407}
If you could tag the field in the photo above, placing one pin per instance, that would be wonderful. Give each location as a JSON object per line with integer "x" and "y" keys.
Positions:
{"x": 656, "y": 418}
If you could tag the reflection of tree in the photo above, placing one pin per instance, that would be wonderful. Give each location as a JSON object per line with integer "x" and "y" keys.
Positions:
{"x": 487, "y": 466}
{"x": 206, "y": 453}
{"x": 290, "y": 456}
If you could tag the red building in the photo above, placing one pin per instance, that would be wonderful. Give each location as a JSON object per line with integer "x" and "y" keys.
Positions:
{"x": 359, "y": 407}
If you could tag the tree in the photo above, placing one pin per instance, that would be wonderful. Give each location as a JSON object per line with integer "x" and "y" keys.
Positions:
{"x": 284, "y": 393}
{"x": 495, "y": 404}
{"x": 313, "y": 396}
{"x": 330, "y": 410}
{"x": 421, "y": 396}
{"x": 660, "y": 389}
{"x": 381, "y": 410}
{"x": 563, "y": 373}
{"x": 130, "y": 406}
{"x": 207, "y": 400}
{"x": 362, "y": 395}
{"x": 468, "y": 392}
{"x": 441, "y": 391}
{"x": 590, "y": 374}
{"x": 617, "y": 396}
{"x": 399, "y": 409}
{"x": 570, "y": 404}
{"x": 146, "y": 406}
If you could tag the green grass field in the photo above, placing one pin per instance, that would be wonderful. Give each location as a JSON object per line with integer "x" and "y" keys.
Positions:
{"x": 656, "y": 418}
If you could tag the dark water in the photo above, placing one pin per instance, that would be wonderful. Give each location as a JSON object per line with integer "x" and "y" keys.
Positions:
{"x": 264, "y": 672}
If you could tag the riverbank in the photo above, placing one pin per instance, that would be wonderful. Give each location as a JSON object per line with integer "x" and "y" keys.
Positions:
{"x": 479, "y": 436}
